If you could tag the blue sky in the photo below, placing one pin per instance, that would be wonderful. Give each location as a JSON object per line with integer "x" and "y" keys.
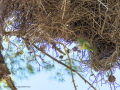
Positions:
{"x": 42, "y": 80}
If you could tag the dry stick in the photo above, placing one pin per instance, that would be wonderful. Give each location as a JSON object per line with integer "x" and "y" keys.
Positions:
{"x": 64, "y": 65}
{"x": 43, "y": 6}
{"x": 105, "y": 16}
{"x": 103, "y": 4}
{"x": 104, "y": 22}
{"x": 95, "y": 79}
{"x": 64, "y": 9}
{"x": 70, "y": 67}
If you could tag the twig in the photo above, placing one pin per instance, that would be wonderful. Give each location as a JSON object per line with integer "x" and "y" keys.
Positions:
{"x": 64, "y": 65}
{"x": 103, "y": 4}
{"x": 70, "y": 67}
{"x": 64, "y": 9}
{"x": 104, "y": 23}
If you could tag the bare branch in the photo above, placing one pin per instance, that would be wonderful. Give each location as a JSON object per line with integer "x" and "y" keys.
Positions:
{"x": 10, "y": 82}
{"x": 64, "y": 65}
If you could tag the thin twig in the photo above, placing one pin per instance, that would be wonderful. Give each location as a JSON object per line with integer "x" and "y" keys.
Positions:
{"x": 65, "y": 66}
{"x": 104, "y": 23}
{"x": 64, "y": 9}
{"x": 70, "y": 67}
{"x": 103, "y": 4}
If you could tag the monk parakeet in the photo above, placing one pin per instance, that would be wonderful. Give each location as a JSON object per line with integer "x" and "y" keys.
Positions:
{"x": 82, "y": 44}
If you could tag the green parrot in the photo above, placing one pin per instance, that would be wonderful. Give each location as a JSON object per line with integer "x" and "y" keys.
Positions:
{"x": 82, "y": 44}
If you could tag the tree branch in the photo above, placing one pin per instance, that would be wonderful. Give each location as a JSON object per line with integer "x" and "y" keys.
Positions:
{"x": 10, "y": 82}
{"x": 70, "y": 67}
{"x": 64, "y": 65}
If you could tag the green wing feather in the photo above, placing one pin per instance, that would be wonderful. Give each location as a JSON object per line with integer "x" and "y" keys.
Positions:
{"x": 84, "y": 45}
{"x": 82, "y": 41}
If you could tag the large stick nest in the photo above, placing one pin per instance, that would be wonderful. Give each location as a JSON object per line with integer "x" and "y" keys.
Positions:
{"x": 48, "y": 20}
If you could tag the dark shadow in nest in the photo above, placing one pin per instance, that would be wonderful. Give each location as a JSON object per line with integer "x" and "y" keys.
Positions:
{"x": 105, "y": 55}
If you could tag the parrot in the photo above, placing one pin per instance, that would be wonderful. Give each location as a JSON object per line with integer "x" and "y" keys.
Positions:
{"x": 82, "y": 44}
